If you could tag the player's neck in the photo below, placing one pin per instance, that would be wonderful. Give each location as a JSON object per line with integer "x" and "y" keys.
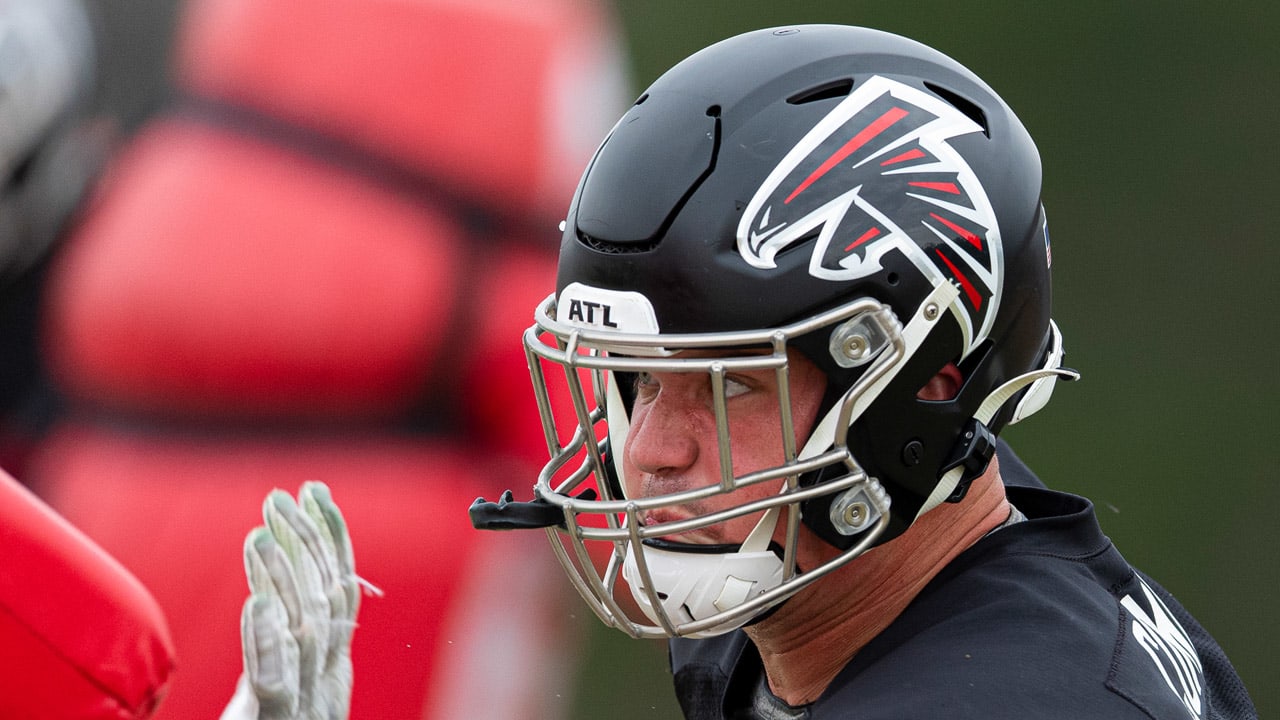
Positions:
{"x": 815, "y": 634}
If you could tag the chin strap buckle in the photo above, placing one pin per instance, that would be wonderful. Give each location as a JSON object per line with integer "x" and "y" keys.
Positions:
{"x": 973, "y": 453}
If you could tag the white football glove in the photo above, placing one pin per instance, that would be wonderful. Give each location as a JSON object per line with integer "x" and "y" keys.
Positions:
{"x": 297, "y": 624}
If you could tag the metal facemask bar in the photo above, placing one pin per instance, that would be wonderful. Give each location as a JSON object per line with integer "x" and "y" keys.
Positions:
{"x": 573, "y": 513}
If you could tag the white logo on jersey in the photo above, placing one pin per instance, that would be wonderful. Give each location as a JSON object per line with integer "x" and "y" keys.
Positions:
{"x": 1170, "y": 649}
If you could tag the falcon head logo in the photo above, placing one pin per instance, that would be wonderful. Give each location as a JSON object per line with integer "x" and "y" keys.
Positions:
{"x": 878, "y": 174}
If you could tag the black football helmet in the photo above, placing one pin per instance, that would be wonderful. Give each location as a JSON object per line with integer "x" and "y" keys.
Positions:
{"x": 840, "y": 191}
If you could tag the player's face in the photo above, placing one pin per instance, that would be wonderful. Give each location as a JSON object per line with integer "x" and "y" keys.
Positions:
{"x": 672, "y": 445}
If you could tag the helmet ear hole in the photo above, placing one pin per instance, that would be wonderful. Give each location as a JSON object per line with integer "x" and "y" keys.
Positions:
{"x": 944, "y": 385}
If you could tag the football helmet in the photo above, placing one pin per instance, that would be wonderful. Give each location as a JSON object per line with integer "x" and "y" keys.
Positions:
{"x": 840, "y": 192}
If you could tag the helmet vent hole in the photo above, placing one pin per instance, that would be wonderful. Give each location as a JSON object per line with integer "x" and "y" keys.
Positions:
{"x": 825, "y": 91}
{"x": 964, "y": 105}
{"x": 892, "y": 278}
{"x": 713, "y": 111}
{"x": 615, "y": 248}
{"x": 640, "y": 100}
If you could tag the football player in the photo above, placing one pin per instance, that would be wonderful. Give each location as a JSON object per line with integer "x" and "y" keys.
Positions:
{"x": 803, "y": 286}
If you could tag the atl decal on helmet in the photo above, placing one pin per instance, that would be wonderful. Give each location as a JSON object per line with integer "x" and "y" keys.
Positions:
{"x": 886, "y": 142}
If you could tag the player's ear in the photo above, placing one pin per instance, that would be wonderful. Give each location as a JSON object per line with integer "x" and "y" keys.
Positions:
{"x": 942, "y": 386}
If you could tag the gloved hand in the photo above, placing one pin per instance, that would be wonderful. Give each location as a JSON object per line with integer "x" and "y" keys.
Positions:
{"x": 297, "y": 624}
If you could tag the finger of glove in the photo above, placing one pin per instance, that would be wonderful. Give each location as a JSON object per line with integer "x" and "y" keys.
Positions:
{"x": 271, "y": 657}
{"x": 341, "y": 626}
{"x": 295, "y": 588}
{"x": 299, "y": 534}
{"x": 270, "y": 573}
{"x": 288, "y": 527}
{"x": 299, "y": 538}
{"x": 317, "y": 503}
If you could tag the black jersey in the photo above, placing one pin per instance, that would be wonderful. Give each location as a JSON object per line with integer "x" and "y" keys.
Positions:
{"x": 1043, "y": 619}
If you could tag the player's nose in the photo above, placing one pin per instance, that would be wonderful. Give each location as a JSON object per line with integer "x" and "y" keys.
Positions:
{"x": 664, "y": 441}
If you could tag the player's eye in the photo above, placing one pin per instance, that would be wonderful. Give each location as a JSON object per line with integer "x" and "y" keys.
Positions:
{"x": 646, "y": 386}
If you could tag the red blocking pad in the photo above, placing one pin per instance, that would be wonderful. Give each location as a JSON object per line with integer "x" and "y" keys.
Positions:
{"x": 80, "y": 637}
{"x": 218, "y": 275}
{"x": 503, "y": 100}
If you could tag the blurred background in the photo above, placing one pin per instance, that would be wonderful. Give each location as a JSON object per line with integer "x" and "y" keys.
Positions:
{"x": 1156, "y": 125}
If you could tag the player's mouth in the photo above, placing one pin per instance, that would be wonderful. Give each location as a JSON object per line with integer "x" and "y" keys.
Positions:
{"x": 700, "y": 536}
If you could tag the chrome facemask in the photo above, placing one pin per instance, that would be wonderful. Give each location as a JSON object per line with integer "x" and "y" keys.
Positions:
{"x": 685, "y": 589}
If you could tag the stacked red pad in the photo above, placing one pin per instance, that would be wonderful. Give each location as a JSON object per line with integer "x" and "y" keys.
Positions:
{"x": 333, "y": 238}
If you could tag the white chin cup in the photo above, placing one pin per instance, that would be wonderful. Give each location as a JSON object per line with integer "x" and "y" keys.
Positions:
{"x": 694, "y": 585}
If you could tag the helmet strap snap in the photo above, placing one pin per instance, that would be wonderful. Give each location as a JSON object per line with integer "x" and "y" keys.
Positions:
{"x": 972, "y": 453}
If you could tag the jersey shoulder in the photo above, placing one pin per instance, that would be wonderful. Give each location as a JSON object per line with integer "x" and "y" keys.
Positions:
{"x": 1042, "y": 619}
